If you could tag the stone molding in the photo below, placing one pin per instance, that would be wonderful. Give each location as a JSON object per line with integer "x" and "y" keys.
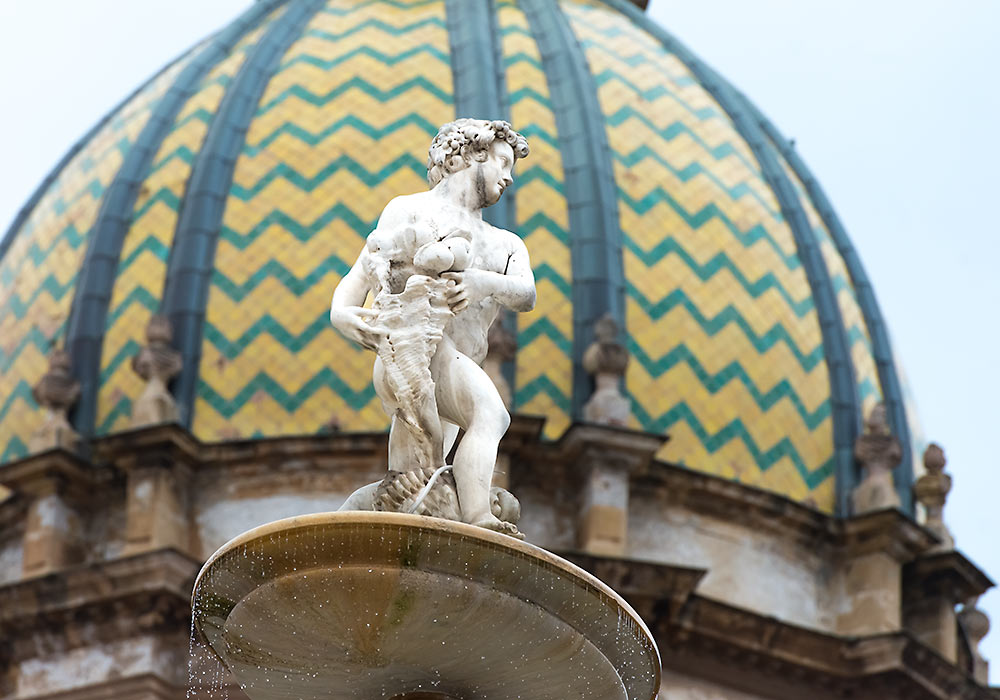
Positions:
{"x": 56, "y": 469}
{"x": 143, "y": 687}
{"x": 946, "y": 573}
{"x": 120, "y": 597}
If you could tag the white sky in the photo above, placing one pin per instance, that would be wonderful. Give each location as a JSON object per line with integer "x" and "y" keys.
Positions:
{"x": 894, "y": 105}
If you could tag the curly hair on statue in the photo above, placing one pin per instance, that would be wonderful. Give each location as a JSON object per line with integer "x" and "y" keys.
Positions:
{"x": 462, "y": 141}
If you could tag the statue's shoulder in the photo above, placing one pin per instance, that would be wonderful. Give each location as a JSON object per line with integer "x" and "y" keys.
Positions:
{"x": 510, "y": 239}
{"x": 405, "y": 209}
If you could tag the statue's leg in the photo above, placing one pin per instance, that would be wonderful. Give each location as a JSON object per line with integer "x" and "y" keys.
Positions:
{"x": 362, "y": 499}
{"x": 450, "y": 431}
{"x": 467, "y": 397}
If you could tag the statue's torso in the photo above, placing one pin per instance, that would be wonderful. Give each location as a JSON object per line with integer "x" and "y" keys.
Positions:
{"x": 423, "y": 217}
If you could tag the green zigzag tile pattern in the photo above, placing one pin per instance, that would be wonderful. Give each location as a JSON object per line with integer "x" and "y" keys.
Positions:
{"x": 141, "y": 269}
{"x": 543, "y": 372}
{"x": 703, "y": 370}
{"x": 343, "y": 127}
{"x": 38, "y": 272}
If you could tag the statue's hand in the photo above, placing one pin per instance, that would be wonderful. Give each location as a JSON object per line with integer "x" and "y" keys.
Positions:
{"x": 471, "y": 287}
{"x": 352, "y": 322}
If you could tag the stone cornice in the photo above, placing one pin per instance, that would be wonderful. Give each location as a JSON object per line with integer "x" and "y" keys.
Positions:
{"x": 163, "y": 444}
{"x": 701, "y": 636}
{"x": 946, "y": 573}
{"x": 128, "y": 595}
{"x": 55, "y": 470}
{"x": 144, "y": 687}
{"x": 629, "y": 450}
{"x": 887, "y": 531}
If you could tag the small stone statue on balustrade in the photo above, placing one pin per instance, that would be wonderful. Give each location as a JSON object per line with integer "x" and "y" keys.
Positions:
{"x": 878, "y": 452}
{"x": 438, "y": 275}
{"x": 157, "y": 363}
{"x": 56, "y": 392}
{"x": 605, "y": 360}
{"x": 931, "y": 491}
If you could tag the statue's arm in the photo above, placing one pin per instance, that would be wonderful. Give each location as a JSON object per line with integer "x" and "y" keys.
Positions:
{"x": 516, "y": 289}
{"x": 513, "y": 288}
{"x": 347, "y": 312}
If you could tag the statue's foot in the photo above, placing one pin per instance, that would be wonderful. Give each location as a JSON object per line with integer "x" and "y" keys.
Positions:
{"x": 494, "y": 523}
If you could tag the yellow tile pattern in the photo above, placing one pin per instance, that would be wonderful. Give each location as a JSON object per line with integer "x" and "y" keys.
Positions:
{"x": 38, "y": 273}
{"x": 544, "y": 368}
{"x": 865, "y": 370}
{"x": 727, "y": 349}
{"x": 142, "y": 267}
{"x": 342, "y": 128}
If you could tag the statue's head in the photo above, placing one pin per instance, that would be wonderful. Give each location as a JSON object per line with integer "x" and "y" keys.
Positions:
{"x": 877, "y": 422}
{"x": 489, "y": 148}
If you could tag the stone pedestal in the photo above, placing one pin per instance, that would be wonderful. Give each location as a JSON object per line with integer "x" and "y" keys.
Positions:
{"x": 875, "y": 546}
{"x": 933, "y": 585}
{"x": 606, "y": 458}
{"x": 55, "y": 483}
{"x": 157, "y": 462}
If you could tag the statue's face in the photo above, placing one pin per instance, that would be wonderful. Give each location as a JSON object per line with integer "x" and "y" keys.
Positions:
{"x": 493, "y": 175}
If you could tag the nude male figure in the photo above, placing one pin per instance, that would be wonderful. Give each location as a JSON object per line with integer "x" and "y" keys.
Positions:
{"x": 469, "y": 167}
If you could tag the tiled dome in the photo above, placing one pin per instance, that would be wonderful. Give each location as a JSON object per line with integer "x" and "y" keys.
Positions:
{"x": 232, "y": 191}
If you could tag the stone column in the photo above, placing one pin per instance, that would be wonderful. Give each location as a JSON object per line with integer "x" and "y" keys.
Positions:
{"x": 939, "y": 579}
{"x": 55, "y": 484}
{"x": 606, "y": 459}
{"x": 873, "y": 550}
{"x": 878, "y": 452}
{"x": 158, "y": 462}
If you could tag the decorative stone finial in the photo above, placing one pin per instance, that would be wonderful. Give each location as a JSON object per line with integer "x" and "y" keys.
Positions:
{"x": 157, "y": 363}
{"x": 931, "y": 491}
{"x": 56, "y": 392}
{"x": 976, "y": 625}
{"x": 606, "y": 360}
{"x": 878, "y": 452}
{"x": 502, "y": 348}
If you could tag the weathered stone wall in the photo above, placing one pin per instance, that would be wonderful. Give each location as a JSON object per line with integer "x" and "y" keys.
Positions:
{"x": 11, "y": 552}
{"x": 93, "y": 664}
{"x": 678, "y": 687}
{"x": 749, "y": 567}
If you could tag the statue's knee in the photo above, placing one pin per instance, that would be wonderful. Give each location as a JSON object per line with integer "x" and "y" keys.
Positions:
{"x": 504, "y": 419}
{"x": 500, "y": 420}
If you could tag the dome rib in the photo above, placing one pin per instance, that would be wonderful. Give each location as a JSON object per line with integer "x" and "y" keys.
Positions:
{"x": 192, "y": 256}
{"x": 846, "y": 404}
{"x": 88, "y": 313}
{"x": 472, "y": 39}
{"x": 891, "y": 385}
{"x": 596, "y": 240}
{"x": 25, "y": 211}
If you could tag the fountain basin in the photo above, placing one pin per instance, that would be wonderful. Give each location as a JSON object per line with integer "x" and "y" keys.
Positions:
{"x": 388, "y": 605}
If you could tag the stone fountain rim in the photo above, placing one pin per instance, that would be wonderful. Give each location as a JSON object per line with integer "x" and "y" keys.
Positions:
{"x": 439, "y": 526}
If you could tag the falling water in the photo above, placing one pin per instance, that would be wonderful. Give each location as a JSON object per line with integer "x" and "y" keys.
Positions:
{"x": 309, "y": 605}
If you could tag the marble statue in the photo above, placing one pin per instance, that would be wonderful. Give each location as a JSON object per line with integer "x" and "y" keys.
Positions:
{"x": 438, "y": 274}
